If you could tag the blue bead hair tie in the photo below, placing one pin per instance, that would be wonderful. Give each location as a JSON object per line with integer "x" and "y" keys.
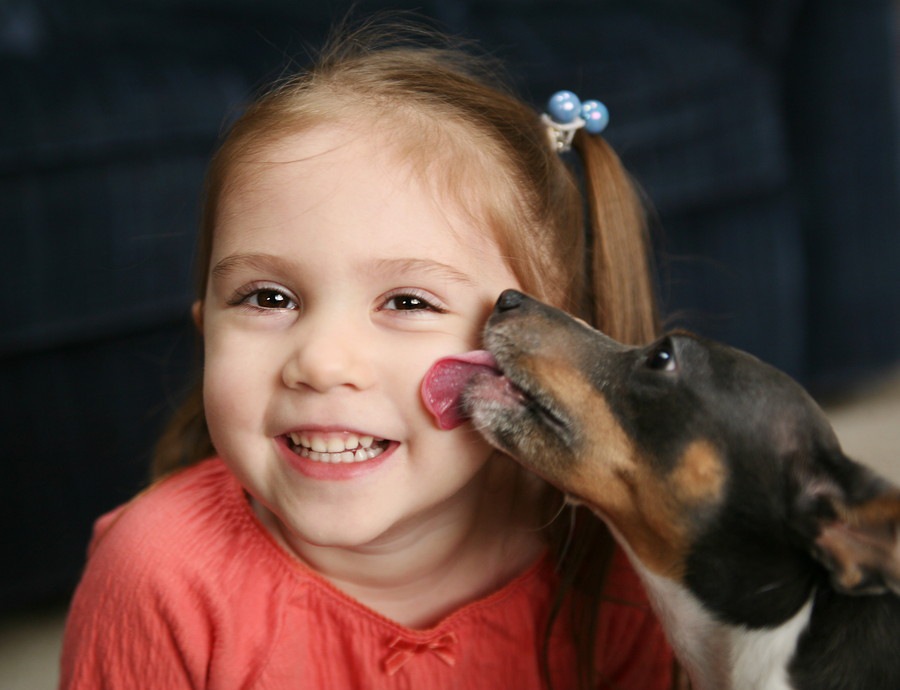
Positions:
{"x": 566, "y": 114}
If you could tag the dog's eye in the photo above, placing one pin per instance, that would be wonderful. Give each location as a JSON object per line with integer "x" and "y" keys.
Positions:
{"x": 662, "y": 357}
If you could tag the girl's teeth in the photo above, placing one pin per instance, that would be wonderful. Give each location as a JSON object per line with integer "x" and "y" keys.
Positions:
{"x": 336, "y": 449}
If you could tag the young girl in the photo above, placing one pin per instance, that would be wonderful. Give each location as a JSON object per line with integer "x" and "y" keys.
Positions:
{"x": 360, "y": 221}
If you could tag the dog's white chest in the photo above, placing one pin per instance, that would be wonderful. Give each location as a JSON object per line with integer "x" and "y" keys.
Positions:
{"x": 719, "y": 656}
{"x": 759, "y": 658}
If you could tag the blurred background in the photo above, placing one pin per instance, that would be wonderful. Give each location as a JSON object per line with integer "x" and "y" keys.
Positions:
{"x": 765, "y": 133}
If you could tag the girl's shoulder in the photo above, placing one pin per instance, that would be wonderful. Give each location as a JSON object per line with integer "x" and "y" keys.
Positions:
{"x": 179, "y": 505}
{"x": 179, "y": 571}
{"x": 196, "y": 523}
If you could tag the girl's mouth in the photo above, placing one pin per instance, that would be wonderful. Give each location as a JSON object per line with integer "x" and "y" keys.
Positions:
{"x": 335, "y": 448}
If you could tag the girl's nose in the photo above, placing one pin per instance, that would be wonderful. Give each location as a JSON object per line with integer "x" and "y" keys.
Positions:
{"x": 328, "y": 356}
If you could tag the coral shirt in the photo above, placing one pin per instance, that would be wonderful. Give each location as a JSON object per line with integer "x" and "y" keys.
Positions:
{"x": 185, "y": 588}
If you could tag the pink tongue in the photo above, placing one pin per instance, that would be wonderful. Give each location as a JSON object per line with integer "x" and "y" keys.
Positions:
{"x": 443, "y": 385}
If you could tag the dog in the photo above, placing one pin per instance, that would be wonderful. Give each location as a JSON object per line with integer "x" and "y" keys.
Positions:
{"x": 771, "y": 559}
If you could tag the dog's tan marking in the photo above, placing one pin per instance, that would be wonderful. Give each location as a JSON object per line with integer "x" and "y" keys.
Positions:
{"x": 700, "y": 474}
{"x": 608, "y": 474}
{"x": 884, "y": 509}
{"x": 648, "y": 518}
{"x": 863, "y": 539}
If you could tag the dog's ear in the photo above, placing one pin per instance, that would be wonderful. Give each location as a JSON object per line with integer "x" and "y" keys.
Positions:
{"x": 850, "y": 519}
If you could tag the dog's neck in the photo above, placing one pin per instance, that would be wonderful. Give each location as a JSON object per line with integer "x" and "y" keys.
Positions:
{"x": 719, "y": 656}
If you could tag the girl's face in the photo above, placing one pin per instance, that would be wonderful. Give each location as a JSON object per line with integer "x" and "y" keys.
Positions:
{"x": 337, "y": 279}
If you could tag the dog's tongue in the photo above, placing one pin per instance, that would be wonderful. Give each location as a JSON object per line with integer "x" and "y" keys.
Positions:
{"x": 444, "y": 383}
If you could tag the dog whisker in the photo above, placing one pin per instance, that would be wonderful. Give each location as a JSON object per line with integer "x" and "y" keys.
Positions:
{"x": 771, "y": 587}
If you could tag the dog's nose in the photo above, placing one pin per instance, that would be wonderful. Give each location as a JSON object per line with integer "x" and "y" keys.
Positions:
{"x": 509, "y": 299}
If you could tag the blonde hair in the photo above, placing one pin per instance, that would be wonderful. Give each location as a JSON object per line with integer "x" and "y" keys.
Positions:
{"x": 443, "y": 107}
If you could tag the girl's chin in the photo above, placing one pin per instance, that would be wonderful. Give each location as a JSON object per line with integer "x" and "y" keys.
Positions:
{"x": 303, "y": 543}
{"x": 334, "y": 468}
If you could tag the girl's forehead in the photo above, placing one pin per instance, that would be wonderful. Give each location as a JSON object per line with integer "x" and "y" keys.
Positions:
{"x": 310, "y": 143}
{"x": 349, "y": 175}
{"x": 452, "y": 158}
{"x": 295, "y": 157}
{"x": 457, "y": 181}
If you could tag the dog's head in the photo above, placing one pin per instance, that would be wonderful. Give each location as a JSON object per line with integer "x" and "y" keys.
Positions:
{"x": 684, "y": 447}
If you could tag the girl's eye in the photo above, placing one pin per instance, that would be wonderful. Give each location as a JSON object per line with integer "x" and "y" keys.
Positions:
{"x": 266, "y": 298}
{"x": 411, "y": 301}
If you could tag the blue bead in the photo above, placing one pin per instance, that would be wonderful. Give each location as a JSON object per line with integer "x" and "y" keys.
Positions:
{"x": 595, "y": 116}
{"x": 563, "y": 107}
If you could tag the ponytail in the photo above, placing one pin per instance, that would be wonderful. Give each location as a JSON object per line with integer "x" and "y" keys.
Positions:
{"x": 621, "y": 302}
{"x": 620, "y": 281}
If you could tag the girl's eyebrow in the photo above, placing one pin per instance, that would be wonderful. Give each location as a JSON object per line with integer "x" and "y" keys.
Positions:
{"x": 411, "y": 265}
{"x": 398, "y": 266}
{"x": 257, "y": 262}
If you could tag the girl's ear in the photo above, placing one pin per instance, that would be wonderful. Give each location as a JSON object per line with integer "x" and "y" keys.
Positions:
{"x": 197, "y": 314}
